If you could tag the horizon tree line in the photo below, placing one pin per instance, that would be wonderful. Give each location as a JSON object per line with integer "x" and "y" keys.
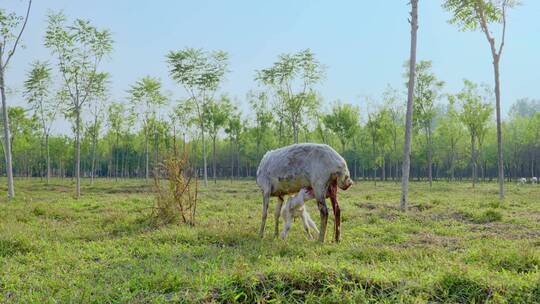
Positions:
{"x": 289, "y": 87}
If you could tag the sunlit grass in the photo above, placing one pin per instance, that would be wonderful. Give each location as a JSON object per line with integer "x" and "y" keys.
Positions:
{"x": 455, "y": 244}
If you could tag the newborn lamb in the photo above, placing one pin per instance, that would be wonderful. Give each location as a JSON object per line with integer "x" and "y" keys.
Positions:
{"x": 294, "y": 208}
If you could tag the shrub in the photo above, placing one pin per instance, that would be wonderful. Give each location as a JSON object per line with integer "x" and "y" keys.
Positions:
{"x": 176, "y": 191}
{"x": 488, "y": 217}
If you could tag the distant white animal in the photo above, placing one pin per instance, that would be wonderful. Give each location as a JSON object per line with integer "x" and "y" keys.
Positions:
{"x": 294, "y": 208}
{"x": 534, "y": 180}
{"x": 522, "y": 181}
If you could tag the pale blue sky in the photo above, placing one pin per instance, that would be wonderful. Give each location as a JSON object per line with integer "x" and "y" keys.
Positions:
{"x": 363, "y": 43}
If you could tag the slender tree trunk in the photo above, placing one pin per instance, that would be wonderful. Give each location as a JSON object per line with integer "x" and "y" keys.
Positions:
{"x": 232, "y": 159}
{"x": 409, "y": 114}
{"x": 481, "y": 161}
{"x": 147, "y": 154}
{"x": 204, "y": 157}
{"x": 48, "y": 158}
{"x": 295, "y": 133}
{"x": 94, "y": 144}
{"x": 238, "y": 158}
{"x": 258, "y": 148}
{"x": 7, "y": 137}
{"x": 184, "y": 142}
{"x": 430, "y": 164}
{"x": 175, "y": 148}
{"x": 78, "y": 149}
{"x": 280, "y": 131}
{"x": 383, "y": 169}
{"x": 473, "y": 161}
{"x": 156, "y": 150}
{"x": 499, "y": 126}
{"x": 214, "y": 158}
{"x": 115, "y": 153}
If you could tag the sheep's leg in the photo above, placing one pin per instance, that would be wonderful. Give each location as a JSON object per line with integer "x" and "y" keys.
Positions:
{"x": 337, "y": 211}
{"x": 266, "y": 201}
{"x": 323, "y": 210}
{"x": 277, "y": 213}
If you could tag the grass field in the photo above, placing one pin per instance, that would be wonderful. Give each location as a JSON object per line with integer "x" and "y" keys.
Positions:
{"x": 455, "y": 245}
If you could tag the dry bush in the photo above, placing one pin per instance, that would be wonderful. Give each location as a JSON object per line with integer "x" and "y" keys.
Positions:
{"x": 176, "y": 186}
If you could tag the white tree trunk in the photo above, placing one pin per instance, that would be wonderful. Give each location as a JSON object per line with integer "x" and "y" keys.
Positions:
{"x": 147, "y": 156}
{"x": 7, "y": 137}
{"x": 499, "y": 126}
{"x": 78, "y": 150}
{"x": 94, "y": 144}
{"x": 48, "y": 158}
{"x": 204, "y": 158}
{"x": 408, "y": 117}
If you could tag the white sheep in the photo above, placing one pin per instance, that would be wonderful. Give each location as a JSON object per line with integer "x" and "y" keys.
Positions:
{"x": 534, "y": 180}
{"x": 294, "y": 208}
{"x": 289, "y": 169}
{"x": 522, "y": 181}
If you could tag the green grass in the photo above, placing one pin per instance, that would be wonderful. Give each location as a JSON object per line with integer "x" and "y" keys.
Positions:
{"x": 455, "y": 245}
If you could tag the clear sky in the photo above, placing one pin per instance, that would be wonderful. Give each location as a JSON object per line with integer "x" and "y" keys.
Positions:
{"x": 363, "y": 43}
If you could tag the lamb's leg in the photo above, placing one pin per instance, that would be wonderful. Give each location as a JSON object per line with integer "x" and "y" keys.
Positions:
{"x": 311, "y": 223}
{"x": 305, "y": 222}
{"x": 287, "y": 218}
{"x": 277, "y": 214}
{"x": 266, "y": 201}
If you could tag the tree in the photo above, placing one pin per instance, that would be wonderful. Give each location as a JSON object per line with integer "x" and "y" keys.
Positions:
{"x": 293, "y": 79}
{"x": 233, "y": 129}
{"x": 533, "y": 136}
{"x": 200, "y": 73}
{"x": 409, "y": 114}
{"x": 475, "y": 114}
{"x": 23, "y": 135}
{"x": 426, "y": 91}
{"x": 343, "y": 121}
{"x": 216, "y": 114}
{"x": 394, "y": 108}
{"x": 184, "y": 117}
{"x": 378, "y": 128}
{"x": 263, "y": 117}
{"x": 9, "y": 40}
{"x": 474, "y": 14}
{"x": 449, "y": 130}
{"x": 525, "y": 107}
{"x": 79, "y": 49}
{"x": 36, "y": 91}
{"x": 115, "y": 120}
{"x": 145, "y": 98}
{"x": 96, "y": 106}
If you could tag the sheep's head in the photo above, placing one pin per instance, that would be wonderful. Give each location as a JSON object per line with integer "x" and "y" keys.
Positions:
{"x": 344, "y": 180}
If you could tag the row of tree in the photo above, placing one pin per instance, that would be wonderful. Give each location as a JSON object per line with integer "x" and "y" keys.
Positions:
{"x": 454, "y": 136}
